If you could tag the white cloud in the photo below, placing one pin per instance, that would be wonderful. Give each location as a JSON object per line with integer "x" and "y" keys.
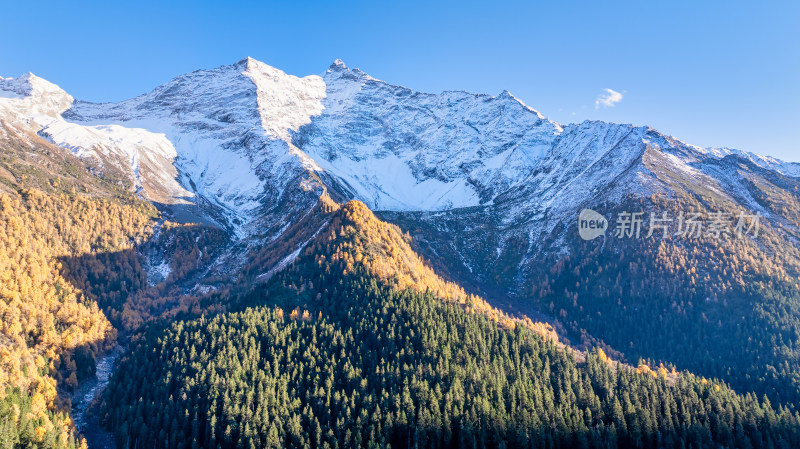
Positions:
{"x": 608, "y": 99}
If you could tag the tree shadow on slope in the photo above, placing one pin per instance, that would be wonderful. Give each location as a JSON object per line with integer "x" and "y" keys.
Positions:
{"x": 135, "y": 285}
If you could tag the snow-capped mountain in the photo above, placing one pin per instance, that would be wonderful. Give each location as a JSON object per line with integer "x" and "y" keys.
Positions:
{"x": 249, "y": 147}
{"x": 29, "y": 103}
{"x": 230, "y": 129}
{"x": 396, "y": 149}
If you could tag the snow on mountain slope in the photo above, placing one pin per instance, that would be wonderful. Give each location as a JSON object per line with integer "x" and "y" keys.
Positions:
{"x": 150, "y": 155}
{"x": 230, "y": 128}
{"x": 31, "y": 97}
{"x": 787, "y": 168}
{"x": 397, "y": 149}
{"x": 239, "y": 138}
{"x": 401, "y": 150}
{"x": 285, "y": 102}
{"x": 36, "y": 105}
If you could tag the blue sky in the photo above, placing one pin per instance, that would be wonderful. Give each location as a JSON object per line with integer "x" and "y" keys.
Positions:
{"x": 710, "y": 73}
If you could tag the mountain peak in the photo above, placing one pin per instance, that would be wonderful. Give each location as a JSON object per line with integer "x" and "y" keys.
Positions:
{"x": 506, "y": 95}
{"x": 28, "y": 84}
{"x": 245, "y": 62}
{"x": 40, "y": 96}
{"x": 338, "y": 70}
{"x": 251, "y": 63}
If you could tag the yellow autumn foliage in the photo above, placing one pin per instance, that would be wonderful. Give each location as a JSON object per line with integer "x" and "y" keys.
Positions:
{"x": 358, "y": 237}
{"x": 43, "y": 314}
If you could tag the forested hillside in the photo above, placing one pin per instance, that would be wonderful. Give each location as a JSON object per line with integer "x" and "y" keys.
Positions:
{"x": 349, "y": 361}
{"x": 726, "y": 306}
{"x": 71, "y": 278}
{"x": 356, "y": 238}
{"x": 44, "y": 316}
{"x": 73, "y": 274}
{"x": 51, "y": 331}
{"x": 719, "y": 305}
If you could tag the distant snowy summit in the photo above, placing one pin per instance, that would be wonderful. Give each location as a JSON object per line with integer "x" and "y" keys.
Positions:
{"x": 239, "y": 137}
